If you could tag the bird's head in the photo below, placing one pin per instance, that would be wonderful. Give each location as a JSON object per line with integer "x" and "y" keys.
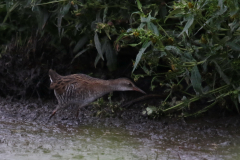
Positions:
{"x": 124, "y": 84}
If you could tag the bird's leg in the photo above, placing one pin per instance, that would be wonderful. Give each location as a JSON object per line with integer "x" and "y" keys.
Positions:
{"x": 77, "y": 113}
{"x": 54, "y": 111}
{"x": 80, "y": 108}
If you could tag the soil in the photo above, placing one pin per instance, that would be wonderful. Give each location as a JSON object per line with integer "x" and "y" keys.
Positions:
{"x": 132, "y": 118}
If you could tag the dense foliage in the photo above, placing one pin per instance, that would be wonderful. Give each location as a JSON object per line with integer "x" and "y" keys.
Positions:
{"x": 188, "y": 48}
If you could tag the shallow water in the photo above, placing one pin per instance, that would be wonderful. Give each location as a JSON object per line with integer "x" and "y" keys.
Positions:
{"x": 34, "y": 141}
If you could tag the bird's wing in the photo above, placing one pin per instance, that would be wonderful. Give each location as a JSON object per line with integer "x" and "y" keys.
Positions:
{"x": 76, "y": 82}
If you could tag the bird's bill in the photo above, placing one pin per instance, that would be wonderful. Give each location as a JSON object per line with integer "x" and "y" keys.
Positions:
{"x": 139, "y": 90}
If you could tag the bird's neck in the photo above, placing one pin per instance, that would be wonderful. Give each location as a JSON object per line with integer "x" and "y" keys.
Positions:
{"x": 111, "y": 85}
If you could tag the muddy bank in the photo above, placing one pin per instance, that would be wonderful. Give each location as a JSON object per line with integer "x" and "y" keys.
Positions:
{"x": 172, "y": 138}
{"x": 131, "y": 118}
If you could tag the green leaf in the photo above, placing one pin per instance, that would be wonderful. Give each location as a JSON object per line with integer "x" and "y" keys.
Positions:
{"x": 154, "y": 28}
{"x": 98, "y": 45}
{"x": 163, "y": 12}
{"x": 196, "y": 80}
{"x": 233, "y": 46}
{"x": 174, "y": 49}
{"x": 221, "y": 11}
{"x": 104, "y": 45}
{"x": 44, "y": 18}
{"x": 188, "y": 25}
{"x": 63, "y": 11}
{"x": 134, "y": 45}
{"x": 146, "y": 70}
{"x": 234, "y": 25}
{"x": 201, "y": 4}
{"x": 139, "y": 5}
{"x": 224, "y": 77}
{"x": 220, "y": 3}
{"x": 111, "y": 56}
{"x": 96, "y": 60}
{"x": 145, "y": 45}
{"x": 176, "y": 11}
{"x": 77, "y": 55}
{"x": 235, "y": 8}
{"x": 224, "y": 40}
{"x": 5, "y": 26}
{"x": 218, "y": 13}
{"x": 107, "y": 32}
{"x": 235, "y": 101}
{"x": 148, "y": 19}
{"x": 238, "y": 97}
{"x": 119, "y": 37}
{"x": 80, "y": 43}
{"x": 141, "y": 25}
{"x": 137, "y": 12}
{"x": 162, "y": 54}
{"x": 208, "y": 21}
{"x": 10, "y": 9}
{"x": 103, "y": 49}
{"x": 105, "y": 14}
{"x": 59, "y": 22}
{"x": 144, "y": 19}
{"x": 236, "y": 39}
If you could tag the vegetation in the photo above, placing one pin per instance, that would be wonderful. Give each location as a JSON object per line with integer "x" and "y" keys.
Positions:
{"x": 189, "y": 49}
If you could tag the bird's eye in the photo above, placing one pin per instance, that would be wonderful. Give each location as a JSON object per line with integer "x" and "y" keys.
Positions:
{"x": 129, "y": 84}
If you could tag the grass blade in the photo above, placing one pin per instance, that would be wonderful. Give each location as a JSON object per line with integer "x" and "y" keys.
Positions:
{"x": 98, "y": 45}
{"x": 196, "y": 80}
{"x": 145, "y": 45}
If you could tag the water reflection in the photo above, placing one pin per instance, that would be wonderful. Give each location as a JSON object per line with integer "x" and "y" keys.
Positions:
{"x": 34, "y": 141}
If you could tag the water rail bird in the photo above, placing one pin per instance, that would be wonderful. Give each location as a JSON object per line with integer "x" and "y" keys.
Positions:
{"x": 82, "y": 89}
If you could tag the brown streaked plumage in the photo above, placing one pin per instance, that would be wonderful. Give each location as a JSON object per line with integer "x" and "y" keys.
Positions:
{"x": 82, "y": 89}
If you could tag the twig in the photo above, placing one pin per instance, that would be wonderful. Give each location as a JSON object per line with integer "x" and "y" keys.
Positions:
{"x": 128, "y": 104}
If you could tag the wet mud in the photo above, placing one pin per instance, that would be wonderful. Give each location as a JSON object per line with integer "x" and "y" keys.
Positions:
{"x": 132, "y": 118}
{"x": 202, "y": 138}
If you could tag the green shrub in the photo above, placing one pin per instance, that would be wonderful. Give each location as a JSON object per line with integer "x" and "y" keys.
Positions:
{"x": 192, "y": 50}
